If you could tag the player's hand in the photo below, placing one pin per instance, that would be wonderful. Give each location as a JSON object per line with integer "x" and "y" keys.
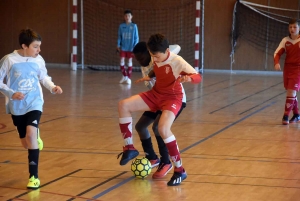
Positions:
{"x": 277, "y": 67}
{"x": 184, "y": 78}
{"x": 18, "y": 96}
{"x": 143, "y": 79}
{"x": 118, "y": 50}
{"x": 57, "y": 90}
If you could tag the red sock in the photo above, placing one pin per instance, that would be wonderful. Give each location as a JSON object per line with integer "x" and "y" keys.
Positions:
{"x": 129, "y": 71}
{"x": 173, "y": 149}
{"x": 126, "y": 130}
{"x": 289, "y": 104}
{"x": 295, "y": 108}
{"x": 123, "y": 70}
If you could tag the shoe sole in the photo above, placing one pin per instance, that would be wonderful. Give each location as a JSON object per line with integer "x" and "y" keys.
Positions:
{"x": 159, "y": 177}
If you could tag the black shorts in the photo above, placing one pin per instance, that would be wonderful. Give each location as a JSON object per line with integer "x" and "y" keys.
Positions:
{"x": 153, "y": 115}
{"x": 31, "y": 118}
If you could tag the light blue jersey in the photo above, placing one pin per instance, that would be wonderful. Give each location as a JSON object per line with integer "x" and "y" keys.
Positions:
{"x": 23, "y": 74}
{"x": 128, "y": 36}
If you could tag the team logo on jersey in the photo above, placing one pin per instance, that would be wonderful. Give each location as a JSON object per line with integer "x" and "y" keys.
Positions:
{"x": 288, "y": 44}
{"x": 26, "y": 85}
{"x": 167, "y": 70}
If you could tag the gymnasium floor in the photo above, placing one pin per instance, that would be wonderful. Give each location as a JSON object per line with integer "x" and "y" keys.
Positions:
{"x": 233, "y": 144}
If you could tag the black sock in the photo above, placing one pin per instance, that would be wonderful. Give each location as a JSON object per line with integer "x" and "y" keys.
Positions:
{"x": 148, "y": 149}
{"x": 33, "y": 162}
{"x": 163, "y": 150}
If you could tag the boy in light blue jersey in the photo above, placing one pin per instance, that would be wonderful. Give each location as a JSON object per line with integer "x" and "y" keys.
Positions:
{"x": 23, "y": 71}
{"x": 128, "y": 37}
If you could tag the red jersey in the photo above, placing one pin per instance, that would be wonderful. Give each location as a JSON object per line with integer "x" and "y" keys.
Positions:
{"x": 167, "y": 73}
{"x": 292, "y": 49}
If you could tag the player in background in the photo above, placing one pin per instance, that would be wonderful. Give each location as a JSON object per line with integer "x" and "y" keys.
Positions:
{"x": 170, "y": 70}
{"x": 290, "y": 45}
{"x": 164, "y": 164}
{"x": 23, "y": 71}
{"x": 128, "y": 37}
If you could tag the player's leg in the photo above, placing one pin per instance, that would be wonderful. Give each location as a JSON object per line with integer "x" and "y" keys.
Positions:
{"x": 33, "y": 119}
{"x": 126, "y": 107}
{"x": 165, "y": 164}
{"x": 296, "y": 84}
{"x": 289, "y": 84}
{"x": 142, "y": 128}
{"x": 129, "y": 55}
{"x": 122, "y": 67}
{"x": 164, "y": 128}
{"x": 27, "y": 126}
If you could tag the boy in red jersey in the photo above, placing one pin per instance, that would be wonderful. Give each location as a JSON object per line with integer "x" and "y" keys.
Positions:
{"x": 291, "y": 72}
{"x": 166, "y": 95}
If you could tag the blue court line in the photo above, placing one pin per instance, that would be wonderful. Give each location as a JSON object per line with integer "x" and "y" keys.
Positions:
{"x": 245, "y": 98}
{"x": 187, "y": 148}
{"x": 113, "y": 187}
{"x": 225, "y": 128}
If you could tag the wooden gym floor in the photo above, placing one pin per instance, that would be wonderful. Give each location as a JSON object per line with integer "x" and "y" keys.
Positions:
{"x": 233, "y": 144}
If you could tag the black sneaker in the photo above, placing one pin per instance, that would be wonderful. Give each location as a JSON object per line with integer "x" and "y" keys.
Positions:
{"x": 295, "y": 118}
{"x": 285, "y": 120}
{"x": 177, "y": 178}
{"x": 127, "y": 155}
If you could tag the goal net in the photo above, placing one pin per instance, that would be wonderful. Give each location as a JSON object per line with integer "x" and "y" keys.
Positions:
{"x": 101, "y": 19}
{"x": 260, "y": 26}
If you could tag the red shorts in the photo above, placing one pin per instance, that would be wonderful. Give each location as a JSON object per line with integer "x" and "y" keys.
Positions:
{"x": 291, "y": 77}
{"x": 126, "y": 54}
{"x": 157, "y": 101}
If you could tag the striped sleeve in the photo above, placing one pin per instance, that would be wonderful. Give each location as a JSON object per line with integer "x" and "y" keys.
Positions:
{"x": 279, "y": 51}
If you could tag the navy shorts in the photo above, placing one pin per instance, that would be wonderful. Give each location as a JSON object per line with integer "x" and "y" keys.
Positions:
{"x": 31, "y": 118}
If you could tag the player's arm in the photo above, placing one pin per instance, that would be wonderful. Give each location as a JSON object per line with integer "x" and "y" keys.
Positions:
{"x": 46, "y": 80}
{"x": 4, "y": 69}
{"x": 188, "y": 73}
{"x": 148, "y": 77}
{"x": 119, "y": 39}
{"x": 278, "y": 52}
{"x": 136, "y": 35}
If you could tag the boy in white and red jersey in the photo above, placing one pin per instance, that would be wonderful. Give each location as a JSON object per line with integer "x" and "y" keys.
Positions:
{"x": 291, "y": 72}
{"x": 166, "y": 95}
{"x": 164, "y": 164}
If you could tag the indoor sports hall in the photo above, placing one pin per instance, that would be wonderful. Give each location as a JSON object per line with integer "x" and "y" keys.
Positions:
{"x": 232, "y": 142}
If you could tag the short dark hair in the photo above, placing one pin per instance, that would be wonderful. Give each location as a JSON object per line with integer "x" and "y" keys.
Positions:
{"x": 157, "y": 43}
{"x": 294, "y": 21}
{"x": 140, "y": 47}
{"x": 27, "y": 36}
{"x": 127, "y": 11}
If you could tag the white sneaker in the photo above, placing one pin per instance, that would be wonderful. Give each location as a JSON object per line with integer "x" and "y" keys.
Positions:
{"x": 128, "y": 81}
{"x": 124, "y": 78}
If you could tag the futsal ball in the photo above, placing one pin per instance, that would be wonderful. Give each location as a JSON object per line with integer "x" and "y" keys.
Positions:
{"x": 141, "y": 167}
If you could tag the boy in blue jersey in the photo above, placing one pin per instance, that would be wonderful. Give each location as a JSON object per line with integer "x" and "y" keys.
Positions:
{"x": 128, "y": 37}
{"x": 23, "y": 71}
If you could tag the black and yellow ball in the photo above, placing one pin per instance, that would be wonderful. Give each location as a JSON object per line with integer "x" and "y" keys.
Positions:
{"x": 141, "y": 167}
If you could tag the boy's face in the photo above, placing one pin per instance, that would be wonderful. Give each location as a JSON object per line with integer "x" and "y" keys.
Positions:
{"x": 128, "y": 17}
{"x": 294, "y": 29}
{"x": 33, "y": 50}
{"x": 159, "y": 56}
{"x": 143, "y": 58}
